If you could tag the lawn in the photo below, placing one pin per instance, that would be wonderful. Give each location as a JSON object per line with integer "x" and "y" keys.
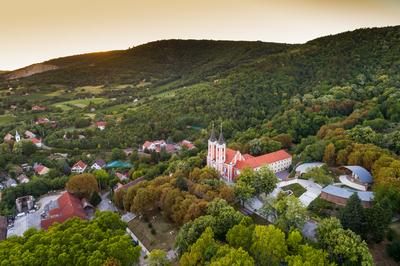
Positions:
{"x": 164, "y": 232}
{"x": 90, "y": 89}
{"x": 297, "y": 189}
{"x": 80, "y": 103}
{"x": 6, "y": 119}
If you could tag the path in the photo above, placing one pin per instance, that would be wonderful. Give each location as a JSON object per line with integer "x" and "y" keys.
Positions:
{"x": 106, "y": 204}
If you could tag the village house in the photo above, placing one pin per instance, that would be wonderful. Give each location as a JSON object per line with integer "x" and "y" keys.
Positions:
{"x": 22, "y": 178}
{"x": 38, "y": 108}
{"x": 159, "y": 145}
{"x": 29, "y": 135}
{"x": 41, "y": 169}
{"x": 185, "y": 143}
{"x": 79, "y": 167}
{"x": 229, "y": 162}
{"x": 121, "y": 176}
{"x": 37, "y": 142}
{"x": 101, "y": 125}
{"x": 98, "y": 164}
{"x": 42, "y": 121}
{"x": 8, "y": 137}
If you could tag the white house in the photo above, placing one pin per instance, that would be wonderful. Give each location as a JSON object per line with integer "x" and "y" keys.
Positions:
{"x": 79, "y": 167}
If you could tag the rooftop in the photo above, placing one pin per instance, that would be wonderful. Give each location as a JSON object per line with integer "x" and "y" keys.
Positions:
{"x": 346, "y": 193}
{"x": 361, "y": 172}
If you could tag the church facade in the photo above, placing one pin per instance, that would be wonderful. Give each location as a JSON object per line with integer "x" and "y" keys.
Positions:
{"x": 229, "y": 162}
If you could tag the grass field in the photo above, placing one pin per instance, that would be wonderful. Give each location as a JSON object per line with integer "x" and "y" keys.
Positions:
{"x": 90, "y": 89}
{"x": 163, "y": 236}
{"x": 6, "y": 119}
{"x": 80, "y": 103}
{"x": 297, "y": 189}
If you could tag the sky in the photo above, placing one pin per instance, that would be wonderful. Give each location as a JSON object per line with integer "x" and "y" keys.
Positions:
{"x": 33, "y": 31}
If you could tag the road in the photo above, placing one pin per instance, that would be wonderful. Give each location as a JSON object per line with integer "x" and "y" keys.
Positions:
{"x": 106, "y": 204}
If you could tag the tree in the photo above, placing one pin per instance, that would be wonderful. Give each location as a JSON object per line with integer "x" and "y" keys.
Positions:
{"x": 352, "y": 216}
{"x": 227, "y": 256}
{"x": 265, "y": 181}
{"x": 329, "y": 154}
{"x": 158, "y": 257}
{"x": 202, "y": 251}
{"x": 377, "y": 219}
{"x": 309, "y": 256}
{"x": 268, "y": 245}
{"x": 28, "y": 148}
{"x": 97, "y": 245}
{"x": 83, "y": 185}
{"x": 240, "y": 235}
{"x": 344, "y": 246}
{"x": 243, "y": 191}
{"x": 102, "y": 177}
{"x": 118, "y": 154}
{"x": 287, "y": 211}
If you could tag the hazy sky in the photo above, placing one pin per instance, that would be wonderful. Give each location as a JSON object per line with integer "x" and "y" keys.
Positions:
{"x": 36, "y": 30}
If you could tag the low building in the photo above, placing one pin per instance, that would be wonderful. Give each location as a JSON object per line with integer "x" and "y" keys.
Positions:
{"x": 41, "y": 169}
{"x": 67, "y": 206}
{"x": 340, "y": 195}
{"x": 187, "y": 144}
{"x": 37, "y": 142}
{"x": 101, "y": 125}
{"x": 38, "y": 108}
{"x": 22, "y": 179}
{"x": 306, "y": 167}
{"x": 29, "y": 135}
{"x": 42, "y": 121}
{"x": 79, "y": 167}
{"x": 98, "y": 164}
{"x": 358, "y": 177}
{"x": 8, "y": 137}
{"x": 121, "y": 176}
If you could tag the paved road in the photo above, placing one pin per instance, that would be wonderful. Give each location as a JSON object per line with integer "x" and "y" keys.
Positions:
{"x": 106, "y": 204}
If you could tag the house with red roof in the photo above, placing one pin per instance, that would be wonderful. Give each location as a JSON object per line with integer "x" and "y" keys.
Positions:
{"x": 41, "y": 169}
{"x": 101, "y": 125}
{"x": 37, "y": 142}
{"x": 38, "y": 108}
{"x": 65, "y": 207}
{"x": 188, "y": 144}
{"x": 229, "y": 162}
{"x": 79, "y": 167}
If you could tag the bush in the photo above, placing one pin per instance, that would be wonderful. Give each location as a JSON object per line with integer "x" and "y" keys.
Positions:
{"x": 153, "y": 231}
{"x": 393, "y": 250}
{"x": 96, "y": 199}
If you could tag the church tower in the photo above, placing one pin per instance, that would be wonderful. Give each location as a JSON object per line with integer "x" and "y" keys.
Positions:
{"x": 212, "y": 142}
{"x": 221, "y": 152}
{"x": 17, "y": 137}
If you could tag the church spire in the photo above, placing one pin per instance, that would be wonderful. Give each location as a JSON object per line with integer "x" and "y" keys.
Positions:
{"x": 212, "y": 137}
{"x": 221, "y": 139}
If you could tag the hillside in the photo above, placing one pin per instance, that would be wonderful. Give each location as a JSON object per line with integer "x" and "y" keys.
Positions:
{"x": 188, "y": 82}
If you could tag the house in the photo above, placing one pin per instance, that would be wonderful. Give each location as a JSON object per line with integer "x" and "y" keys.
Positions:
{"x": 120, "y": 186}
{"x": 229, "y": 162}
{"x": 159, "y": 145}
{"x": 185, "y": 143}
{"x": 121, "y": 176}
{"x": 29, "y": 135}
{"x": 98, "y": 164}
{"x": 22, "y": 178}
{"x": 10, "y": 182}
{"x": 41, "y": 169}
{"x": 8, "y": 137}
{"x": 79, "y": 167}
{"x": 42, "y": 121}
{"x": 3, "y": 228}
{"x": 101, "y": 125}
{"x": 26, "y": 167}
{"x": 67, "y": 206}
{"x": 37, "y": 142}
{"x": 38, "y": 108}
{"x": 25, "y": 203}
{"x": 128, "y": 151}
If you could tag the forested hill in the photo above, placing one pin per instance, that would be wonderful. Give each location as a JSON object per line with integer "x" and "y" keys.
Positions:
{"x": 244, "y": 84}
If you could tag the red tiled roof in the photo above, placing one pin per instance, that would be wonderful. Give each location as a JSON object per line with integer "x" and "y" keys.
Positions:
{"x": 101, "y": 124}
{"x": 263, "y": 159}
{"x": 229, "y": 155}
{"x": 35, "y": 140}
{"x": 187, "y": 144}
{"x": 80, "y": 164}
{"x": 147, "y": 144}
{"x": 68, "y": 206}
{"x": 39, "y": 168}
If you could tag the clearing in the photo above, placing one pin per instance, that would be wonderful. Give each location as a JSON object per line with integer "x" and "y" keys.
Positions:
{"x": 156, "y": 233}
